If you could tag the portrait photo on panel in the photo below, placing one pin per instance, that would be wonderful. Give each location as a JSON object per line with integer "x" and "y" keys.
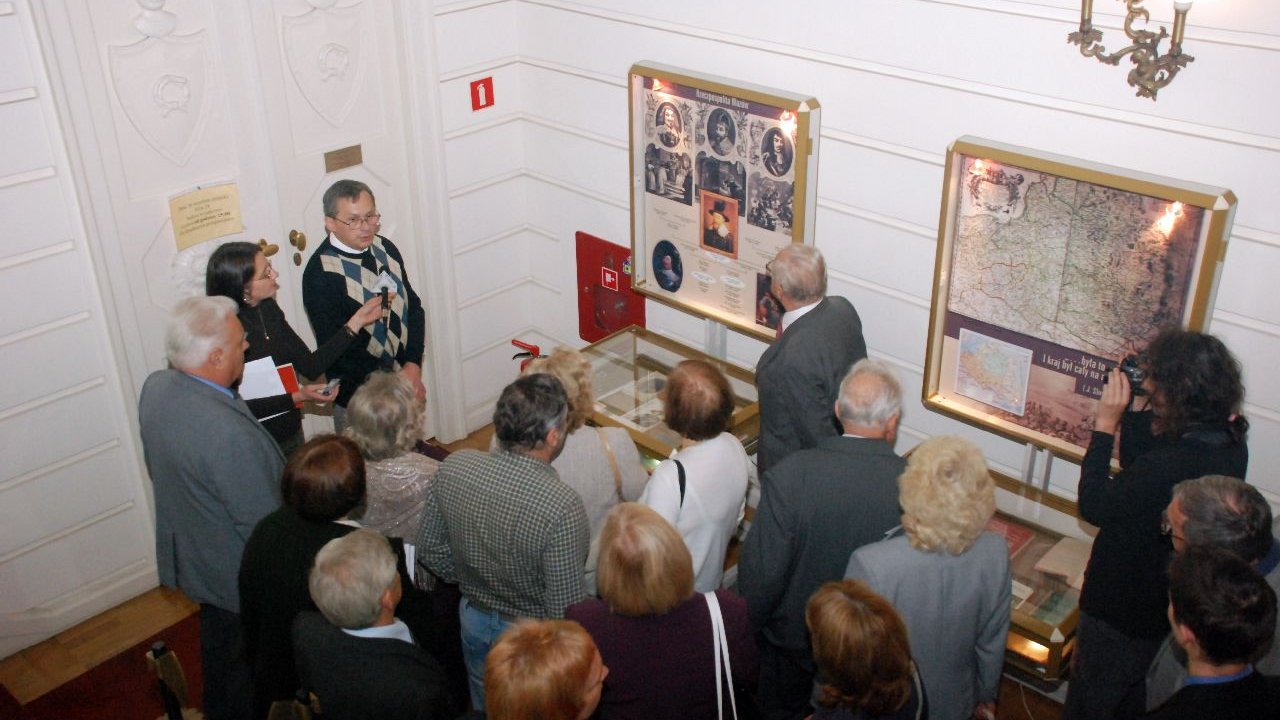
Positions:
{"x": 670, "y": 126}
{"x": 667, "y": 267}
{"x": 776, "y": 152}
{"x": 771, "y": 203}
{"x": 720, "y": 223}
{"x": 722, "y": 132}
{"x": 723, "y": 177}
{"x": 668, "y": 174}
{"x": 768, "y": 309}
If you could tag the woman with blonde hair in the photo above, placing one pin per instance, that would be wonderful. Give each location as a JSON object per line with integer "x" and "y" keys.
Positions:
{"x": 863, "y": 657}
{"x": 384, "y": 418}
{"x": 602, "y": 465}
{"x": 948, "y": 578}
{"x": 654, "y": 631}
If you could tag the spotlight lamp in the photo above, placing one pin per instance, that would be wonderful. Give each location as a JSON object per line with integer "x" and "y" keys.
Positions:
{"x": 1152, "y": 70}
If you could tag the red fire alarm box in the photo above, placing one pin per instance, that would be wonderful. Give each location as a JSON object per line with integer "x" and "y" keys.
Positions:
{"x": 606, "y": 303}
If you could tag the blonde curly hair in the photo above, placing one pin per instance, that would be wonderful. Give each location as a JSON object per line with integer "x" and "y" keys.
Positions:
{"x": 947, "y": 495}
{"x": 384, "y": 416}
{"x": 574, "y": 373}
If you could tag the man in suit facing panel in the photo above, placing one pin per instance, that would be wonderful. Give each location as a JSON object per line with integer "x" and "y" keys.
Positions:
{"x": 817, "y": 507}
{"x": 798, "y": 376}
{"x": 216, "y": 472}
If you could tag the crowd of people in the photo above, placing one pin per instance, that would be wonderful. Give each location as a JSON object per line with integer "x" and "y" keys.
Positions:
{"x": 554, "y": 577}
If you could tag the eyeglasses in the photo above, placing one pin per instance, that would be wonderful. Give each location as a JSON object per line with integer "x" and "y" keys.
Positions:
{"x": 266, "y": 272}
{"x": 370, "y": 220}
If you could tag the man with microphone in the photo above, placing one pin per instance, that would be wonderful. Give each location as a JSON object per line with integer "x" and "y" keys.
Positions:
{"x": 353, "y": 264}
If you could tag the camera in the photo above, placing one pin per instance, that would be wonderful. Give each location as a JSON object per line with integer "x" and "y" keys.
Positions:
{"x": 1129, "y": 366}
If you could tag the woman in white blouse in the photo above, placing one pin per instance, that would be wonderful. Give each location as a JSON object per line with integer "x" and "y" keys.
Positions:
{"x": 708, "y": 505}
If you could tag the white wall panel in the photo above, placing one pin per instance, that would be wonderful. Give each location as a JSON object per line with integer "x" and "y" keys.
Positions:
{"x": 85, "y": 489}
{"x": 471, "y": 37}
{"x": 475, "y": 156}
{"x": 579, "y": 161}
{"x": 493, "y": 266}
{"x": 26, "y": 120}
{"x": 29, "y": 231}
{"x": 1246, "y": 287}
{"x": 486, "y": 211}
{"x": 885, "y": 254}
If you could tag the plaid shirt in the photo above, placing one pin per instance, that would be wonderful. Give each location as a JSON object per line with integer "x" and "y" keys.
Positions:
{"x": 505, "y": 528}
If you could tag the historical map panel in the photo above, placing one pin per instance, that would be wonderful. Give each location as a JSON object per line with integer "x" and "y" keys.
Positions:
{"x": 1048, "y": 278}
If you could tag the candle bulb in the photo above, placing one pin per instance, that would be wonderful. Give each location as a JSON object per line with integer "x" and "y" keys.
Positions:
{"x": 1179, "y": 25}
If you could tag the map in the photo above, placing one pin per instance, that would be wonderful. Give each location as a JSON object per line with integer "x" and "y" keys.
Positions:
{"x": 993, "y": 372}
{"x": 1081, "y": 265}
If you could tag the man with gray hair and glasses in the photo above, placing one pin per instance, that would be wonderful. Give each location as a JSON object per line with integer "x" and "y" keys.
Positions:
{"x": 216, "y": 473}
{"x": 797, "y": 377}
{"x": 504, "y": 528}
{"x": 355, "y": 655}
{"x": 350, "y": 267}
{"x": 817, "y": 506}
{"x": 1228, "y": 514}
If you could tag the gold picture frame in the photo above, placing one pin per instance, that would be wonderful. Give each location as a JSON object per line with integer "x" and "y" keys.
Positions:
{"x": 722, "y": 178}
{"x": 1051, "y": 269}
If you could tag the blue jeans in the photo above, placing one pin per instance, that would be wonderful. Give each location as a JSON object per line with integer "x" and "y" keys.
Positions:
{"x": 480, "y": 630}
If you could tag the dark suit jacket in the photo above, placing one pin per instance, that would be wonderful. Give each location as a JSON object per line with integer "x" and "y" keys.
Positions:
{"x": 816, "y": 508}
{"x": 216, "y": 473}
{"x": 375, "y": 678}
{"x": 799, "y": 375}
{"x": 273, "y": 588}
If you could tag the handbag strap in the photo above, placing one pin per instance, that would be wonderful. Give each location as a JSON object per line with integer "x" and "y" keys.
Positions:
{"x": 721, "y": 650}
{"x": 680, "y": 476}
{"x": 613, "y": 463}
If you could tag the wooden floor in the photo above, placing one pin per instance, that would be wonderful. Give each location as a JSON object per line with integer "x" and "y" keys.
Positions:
{"x": 43, "y": 667}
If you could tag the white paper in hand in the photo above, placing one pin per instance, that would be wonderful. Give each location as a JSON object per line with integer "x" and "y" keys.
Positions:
{"x": 261, "y": 379}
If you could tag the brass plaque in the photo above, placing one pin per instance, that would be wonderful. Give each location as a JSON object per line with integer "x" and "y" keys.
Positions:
{"x": 346, "y": 157}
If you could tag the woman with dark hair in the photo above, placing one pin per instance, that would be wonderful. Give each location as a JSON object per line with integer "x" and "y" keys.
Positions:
{"x": 1181, "y": 422}
{"x": 323, "y": 483}
{"x": 702, "y": 488}
{"x": 240, "y": 271}
{"x": 862, "y": 654}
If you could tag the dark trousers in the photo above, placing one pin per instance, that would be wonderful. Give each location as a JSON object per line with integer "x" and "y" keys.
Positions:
{"x": 786, "y": 682}
{"x": 228, "y": 692}
{"x": 1108, "y": 672}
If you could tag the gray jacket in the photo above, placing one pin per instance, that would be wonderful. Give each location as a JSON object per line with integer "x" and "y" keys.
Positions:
{"x": 216, "y": 473}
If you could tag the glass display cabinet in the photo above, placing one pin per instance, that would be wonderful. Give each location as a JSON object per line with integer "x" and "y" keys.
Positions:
{"x": 629, "y": 371}
{"x": 1045, "y": 605}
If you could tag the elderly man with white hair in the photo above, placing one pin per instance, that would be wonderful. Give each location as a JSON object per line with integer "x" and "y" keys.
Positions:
{"x": 798, "y": 376}
{"x": 355, "y": 655}
{"x": 817, "y": 506}
{"x": 216, "y": 473}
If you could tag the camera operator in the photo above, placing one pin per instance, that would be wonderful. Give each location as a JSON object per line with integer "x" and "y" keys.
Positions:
{"x": 1179, "y": 421}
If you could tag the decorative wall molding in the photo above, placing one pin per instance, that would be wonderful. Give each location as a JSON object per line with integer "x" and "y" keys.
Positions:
{"x": 161, "y": 83}
{"x": 43, "y": 173}
{"x": 66, "y": 532}
{"x": 48, "y": 327}
{"x": 1106, "y": 114}
{"x": 324, "y": 49}
{"x": 18, "y": 95}
{"x": 53, "y": 467}
{"x": 34, "y": 255}
{"x": 51, "y": 398}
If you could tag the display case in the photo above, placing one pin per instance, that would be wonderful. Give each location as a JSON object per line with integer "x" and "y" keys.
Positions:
{"x": 629, "y": 371}
{"x": 1045, "y": 605}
